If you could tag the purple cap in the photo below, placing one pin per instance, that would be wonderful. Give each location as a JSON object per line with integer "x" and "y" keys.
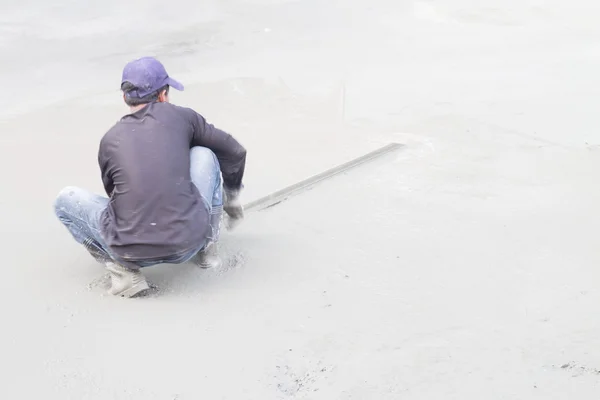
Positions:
{"x": 148, "y": 75}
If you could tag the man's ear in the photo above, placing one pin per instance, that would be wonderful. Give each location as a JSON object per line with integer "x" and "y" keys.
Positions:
{"x": 163, "y": 97}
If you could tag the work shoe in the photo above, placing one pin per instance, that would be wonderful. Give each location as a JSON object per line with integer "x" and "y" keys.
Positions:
{"x": 207, "y": 257}
{"x": 125, "y": 282}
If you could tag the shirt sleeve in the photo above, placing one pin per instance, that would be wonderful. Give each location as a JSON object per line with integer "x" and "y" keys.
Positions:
{"x": 103, "y": 159}
{"x": 230, "y": 153}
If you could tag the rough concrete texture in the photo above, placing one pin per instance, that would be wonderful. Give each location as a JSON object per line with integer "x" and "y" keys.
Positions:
{"x": 463, "y": 267}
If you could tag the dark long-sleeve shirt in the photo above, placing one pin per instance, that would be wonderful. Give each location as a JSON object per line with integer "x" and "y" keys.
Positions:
{"x": 155, "y": 210}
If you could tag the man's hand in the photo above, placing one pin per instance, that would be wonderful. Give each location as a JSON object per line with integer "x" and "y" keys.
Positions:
{"x": 233, "y": 207}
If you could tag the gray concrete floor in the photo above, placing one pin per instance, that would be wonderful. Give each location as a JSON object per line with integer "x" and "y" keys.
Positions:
{"x": 462, "y": 267}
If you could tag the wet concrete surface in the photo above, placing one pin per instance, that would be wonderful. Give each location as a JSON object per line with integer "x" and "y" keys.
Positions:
{"x": 465, "y": 266}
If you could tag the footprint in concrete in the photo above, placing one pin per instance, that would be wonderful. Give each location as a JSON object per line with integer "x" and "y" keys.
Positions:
{"x": 295, "y": 381}
{"x": 578, "y": 370}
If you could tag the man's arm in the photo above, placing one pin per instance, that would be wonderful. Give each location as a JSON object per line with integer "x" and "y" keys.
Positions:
{"x": 230, "y": 153}
{"x": 107, "y": 181}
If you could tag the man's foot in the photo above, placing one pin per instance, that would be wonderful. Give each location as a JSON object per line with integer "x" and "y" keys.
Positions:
{"x": 208, "y": 257}
{"x": 125, "y": 282}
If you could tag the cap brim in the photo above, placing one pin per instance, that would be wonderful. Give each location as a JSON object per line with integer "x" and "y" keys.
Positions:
{"x": 174, "y": 84}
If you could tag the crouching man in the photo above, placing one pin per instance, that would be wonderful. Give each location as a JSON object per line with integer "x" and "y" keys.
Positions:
{"x": 168, "y": 175}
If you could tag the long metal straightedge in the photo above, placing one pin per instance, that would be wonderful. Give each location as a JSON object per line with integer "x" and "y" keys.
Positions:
{"x": 285, "y": 193}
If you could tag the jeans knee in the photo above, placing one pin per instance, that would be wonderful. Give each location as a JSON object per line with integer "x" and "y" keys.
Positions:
{"x": 202, "y": 153}
{"x": 203, "y": 159}
{"x": 64, "y": 200}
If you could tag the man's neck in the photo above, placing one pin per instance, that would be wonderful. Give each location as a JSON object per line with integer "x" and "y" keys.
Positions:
{"x": 135, "y": 109}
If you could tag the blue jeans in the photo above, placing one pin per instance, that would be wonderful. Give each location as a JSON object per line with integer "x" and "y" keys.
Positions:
{"x": 79, "y": 210}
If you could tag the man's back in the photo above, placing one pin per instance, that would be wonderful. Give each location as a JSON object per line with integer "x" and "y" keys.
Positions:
{"x": 155, "y": 210}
